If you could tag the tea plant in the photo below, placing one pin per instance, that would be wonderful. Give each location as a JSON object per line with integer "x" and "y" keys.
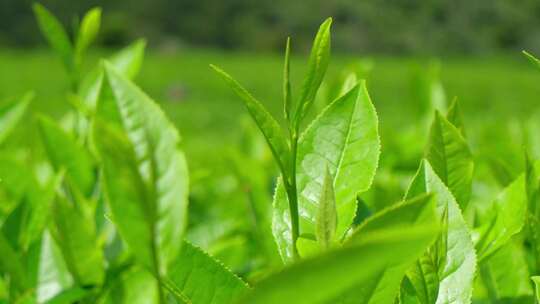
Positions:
{"x": 102, "y": 216}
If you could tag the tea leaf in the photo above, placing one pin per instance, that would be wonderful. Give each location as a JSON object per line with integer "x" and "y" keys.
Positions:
{"x": 55, "y": 34}
{"x": 509, "y": 271}
{"x": 11, "y": 114}
{"x": 536, "y": 281}
{"x": 506, "y": 219}
{"x": 145, "y": 176}
{"x": 197, "y": 278}
{"x": 532, "y": 59}
{"x": 320, "y": 278}
{"x": 317, "y": 65}
{"x": 134, "y": 286}
{"x": 384, "y": 285}
{"x": 88, "y": 31}
{"x": 75, "y": 234}
{"x": 454, "y": 116}
{"x": 457, "y": 271}
{"x": 344, "y": 138}
{"x": 287, "y": 95}
{"x": 11, "y": 264}
{"x": 326, "y": 221}
{"x": 451, "y": 159}
{"x": 65, "y": 152}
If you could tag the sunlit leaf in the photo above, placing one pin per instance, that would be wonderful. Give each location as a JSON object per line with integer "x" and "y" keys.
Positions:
{"x": 457, "y": 271}
{"x": 344, "y": 138}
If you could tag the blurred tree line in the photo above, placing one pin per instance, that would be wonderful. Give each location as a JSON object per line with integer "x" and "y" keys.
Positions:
{"x": 390, "y": 26}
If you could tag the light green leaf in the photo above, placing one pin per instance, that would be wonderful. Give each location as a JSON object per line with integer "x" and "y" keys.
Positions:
{"x": 457, "y": 270}
{"x": 450, "y": 158}
{"x": 384, "y": 285}
{"x": 128, "y": 61}
{"x": 532, "y": 59}
{"x": 323, "y": 277}
{"x": 75, "y": 234}
{"x": 30, "y": 216}
{"x": 506, "y": 219}
{"x": 135, "y": 286}
{"x": 317, "y": 65}
{"x": 71, "y": 295}
{"x": 454, "y": 116}
{"x": 326, "y": 221}
{"x": 536, "y": 281}
{"x": 509, "y": 271}
{"x": 65, "y": 152}
{"x": 52, "y": 273}
{"x": 266, "y": 123}
{"x": 88, "y": 31}
{"x": 344, "y": 138}
{"x": 145, "y": 175}
{"x": 287, "y": 95}
{"x": 11, "y": 114}
{"x": 197, "y": 278}
{"x": 55, "y": 34}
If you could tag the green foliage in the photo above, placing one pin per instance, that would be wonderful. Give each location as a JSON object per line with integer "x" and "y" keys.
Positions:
{"x": 98, "y": 213}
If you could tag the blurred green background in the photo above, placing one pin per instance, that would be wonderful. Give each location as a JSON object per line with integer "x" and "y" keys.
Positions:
{"x": 414, "y": 54}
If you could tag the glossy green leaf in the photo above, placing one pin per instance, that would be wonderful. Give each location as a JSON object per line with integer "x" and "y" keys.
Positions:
{"x": 456, "y": 273}
{"x": 65, "y": 152}
{"x": 11, "y": 114}
{"x": 145, "y": 175}
{"x": 450, "y": 158}
{"x": 71, "y": 295}
{"x": 326, "y": 221}
{"x": 75, "y": 234}
{"x": 384, "y": 285}
{"x": 344, "y": 138}
{"x": 55, "y": 34}
{"x": 88, "y": 30}
{"x": 266, "y": 123}
{"x": 323, "y": 277}
{"x": 317, "y": 65}
{"x": 199, "y": 279}
{"x": 507, "y": 218}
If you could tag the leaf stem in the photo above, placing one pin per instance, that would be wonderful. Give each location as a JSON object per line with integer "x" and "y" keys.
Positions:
{"x": 292, "y": 193}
